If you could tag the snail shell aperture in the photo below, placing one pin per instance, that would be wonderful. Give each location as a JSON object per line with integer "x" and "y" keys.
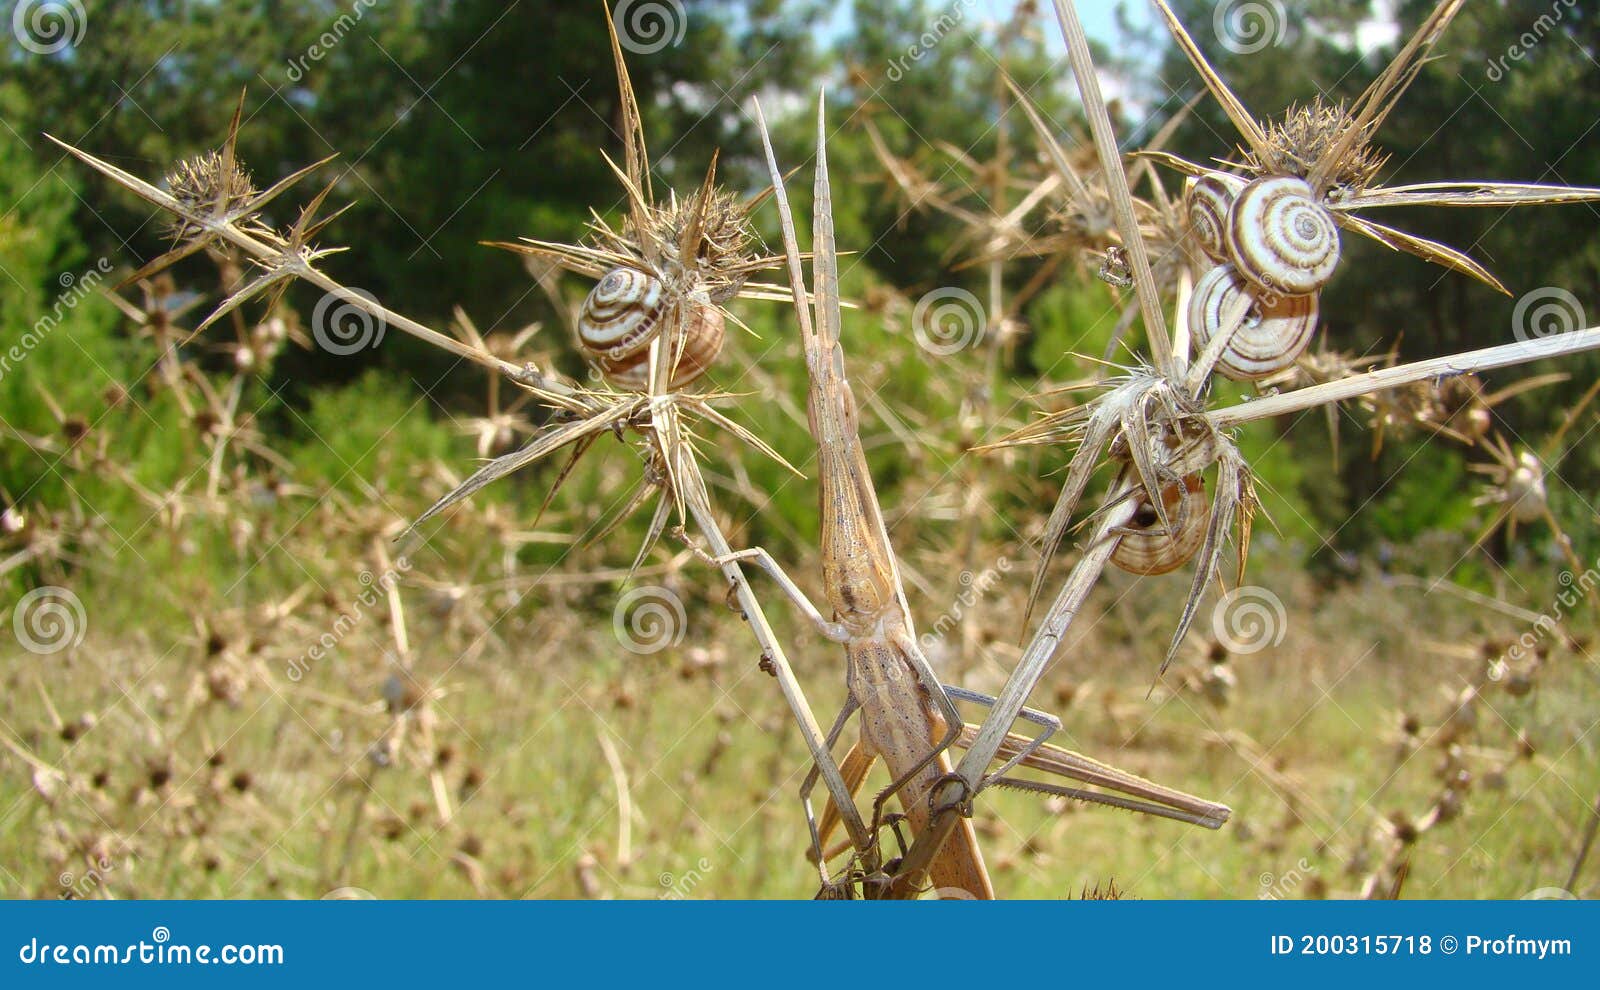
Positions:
{"x": 1149, "y": 548}
{"x": 1272, "y": 336}
{"x": 1281, "y": 238}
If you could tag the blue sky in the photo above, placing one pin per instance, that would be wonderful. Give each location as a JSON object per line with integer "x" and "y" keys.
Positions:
{"x": 1099, "y": 16}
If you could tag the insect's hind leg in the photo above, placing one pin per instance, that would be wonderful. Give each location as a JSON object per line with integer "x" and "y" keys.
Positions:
{"x": 1048, "y": 724}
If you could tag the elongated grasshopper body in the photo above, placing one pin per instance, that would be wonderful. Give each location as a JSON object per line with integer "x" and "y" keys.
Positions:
{"x": 908, "y": 719}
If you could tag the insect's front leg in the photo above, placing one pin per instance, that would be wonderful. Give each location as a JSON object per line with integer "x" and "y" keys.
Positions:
{"x": 834, "y": 631}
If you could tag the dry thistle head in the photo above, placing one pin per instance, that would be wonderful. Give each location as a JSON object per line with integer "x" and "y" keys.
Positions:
{"x": 1305, "y": 135}
{"x": 714, "y": 237}
{"x": 213, "y": 182}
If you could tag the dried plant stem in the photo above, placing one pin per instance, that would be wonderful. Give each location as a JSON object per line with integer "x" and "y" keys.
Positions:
{"x": 1505, "y": 355}
{"x": 262, "y": 251}
{"x": 1584, "y": 847}
{"x": 991, "y": 735}
{"x": 1116, "y": 178}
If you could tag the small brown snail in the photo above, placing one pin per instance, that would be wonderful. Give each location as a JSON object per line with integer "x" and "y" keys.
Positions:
{"x": 1147, "y": 547}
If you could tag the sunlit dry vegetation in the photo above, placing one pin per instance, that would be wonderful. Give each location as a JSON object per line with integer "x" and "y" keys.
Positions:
{"x": 1111, "y": 411}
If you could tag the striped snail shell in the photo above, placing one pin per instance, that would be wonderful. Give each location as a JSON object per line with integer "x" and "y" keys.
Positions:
{"x": 1274, "y": 333}
{"x": 1281, "y": 238}
{"x": 627, "y": 310}
{"x": 1149, "y": 548}
{"x": 1207, "y": 201}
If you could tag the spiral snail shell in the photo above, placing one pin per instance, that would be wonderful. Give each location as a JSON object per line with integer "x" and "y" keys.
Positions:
{"x": 1149, "y": 548}
{"x": 627, "y": 309}
{"x": 1274, "y": 333}
{"x": 1207, "y": 201}
{"x": 1280, "y": 238}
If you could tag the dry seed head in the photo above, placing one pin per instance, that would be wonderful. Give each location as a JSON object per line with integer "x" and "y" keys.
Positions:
{"x": 208, "y": 183}
{"x": 719, "y": 261}
{"x": 1304, "y": 135}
